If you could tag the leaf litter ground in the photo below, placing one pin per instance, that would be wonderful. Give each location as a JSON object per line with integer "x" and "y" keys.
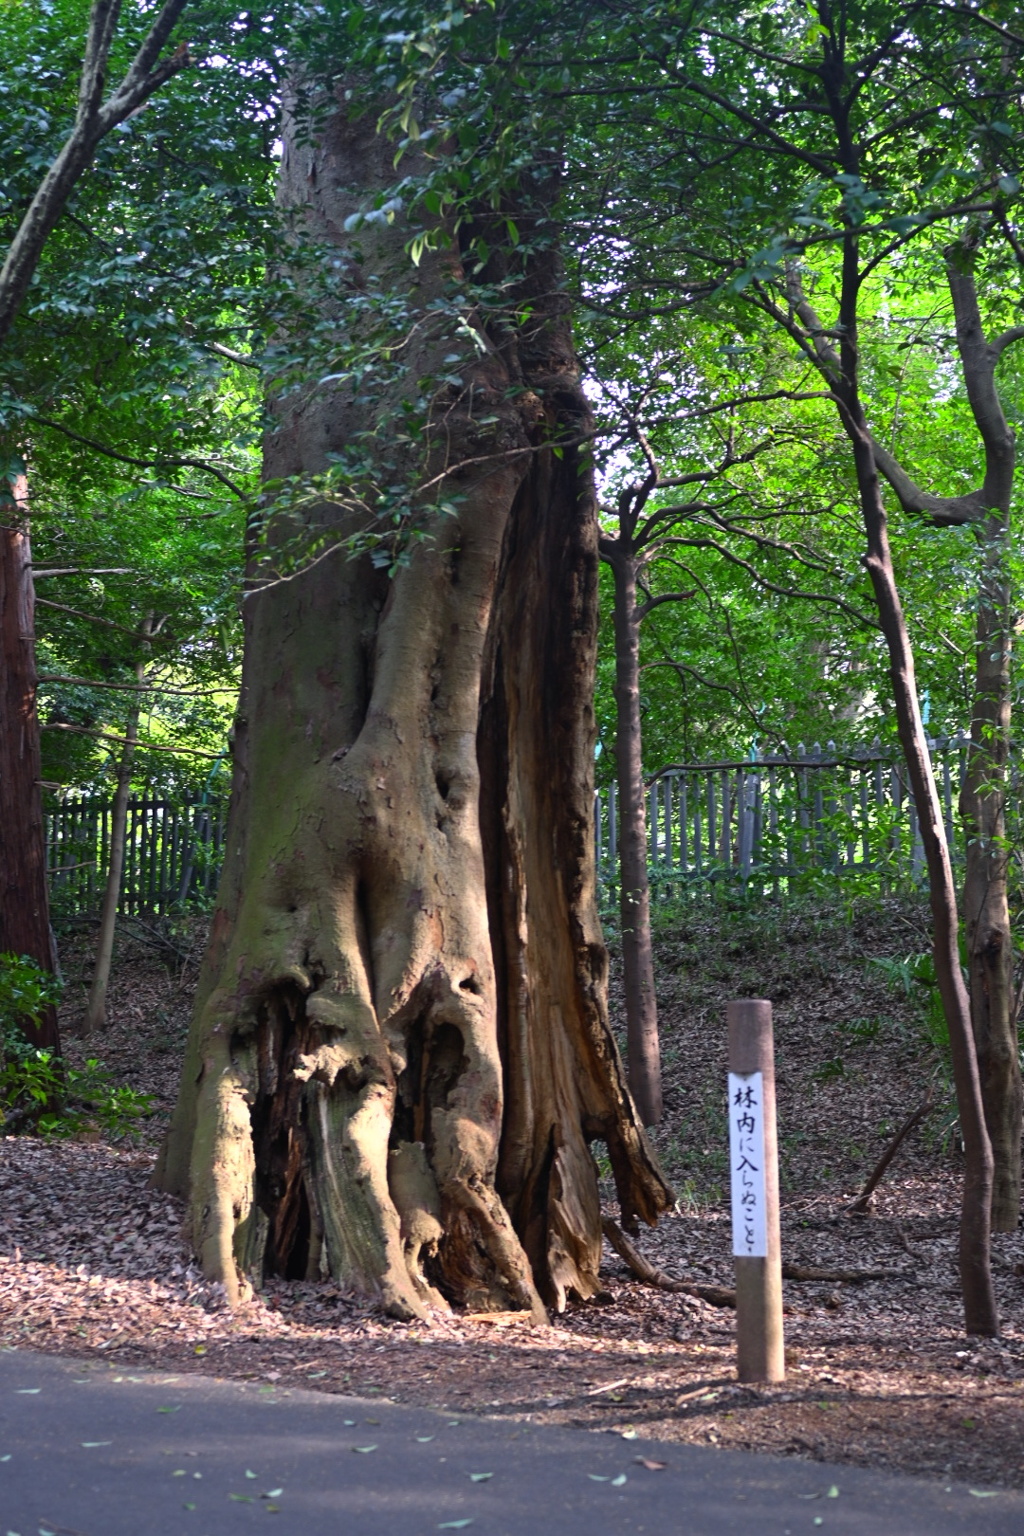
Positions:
{"x": 879, "y": 1373}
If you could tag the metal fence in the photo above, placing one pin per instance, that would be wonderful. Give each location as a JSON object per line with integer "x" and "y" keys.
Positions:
{"x": 173, "y": 853}
{"x": 780, "y": 817}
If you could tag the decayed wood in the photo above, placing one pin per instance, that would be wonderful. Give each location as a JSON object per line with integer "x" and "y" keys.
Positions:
{"x": 860, "y": 1205}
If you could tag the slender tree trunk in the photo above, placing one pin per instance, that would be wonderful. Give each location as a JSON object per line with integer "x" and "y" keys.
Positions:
{"x": 643, "y": 1056}
{"x": 401, "y": 1048}
{"x": 986, "y": 902}
{"x": 980, "y": 1314}
{"x": 96, "y": 1008}
{"x": 983, "y": 792}
{"x": 24, "y": 901}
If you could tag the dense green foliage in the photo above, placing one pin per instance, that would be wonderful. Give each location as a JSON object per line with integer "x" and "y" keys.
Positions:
{"x": 39, "y": 1093}
{"x": 680, "y": 156}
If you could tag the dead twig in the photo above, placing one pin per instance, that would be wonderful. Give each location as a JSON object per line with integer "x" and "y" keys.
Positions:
{"x": 859, "y": 1207}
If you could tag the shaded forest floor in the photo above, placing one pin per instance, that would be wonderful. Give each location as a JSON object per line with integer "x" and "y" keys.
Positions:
{"x": 879, "y": 1373}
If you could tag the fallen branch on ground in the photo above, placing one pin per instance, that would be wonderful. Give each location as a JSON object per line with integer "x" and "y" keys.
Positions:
{"x": 859, "y": 1207}
{"x": 850, "y": 1276}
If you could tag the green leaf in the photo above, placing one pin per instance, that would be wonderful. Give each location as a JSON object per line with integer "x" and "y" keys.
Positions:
{"x": 91, "y": 1445}
{"x": 617, "y": 1482}
{"x": 364, "y": 1450}
{"x": 984, "y": 1493}
{"x": 455, "y": 1525}
{"x": 480, "y": 1477}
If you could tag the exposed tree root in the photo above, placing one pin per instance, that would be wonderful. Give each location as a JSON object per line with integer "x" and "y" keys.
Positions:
{"x": 721, "y": 1295}
{"x": 716, "y": 1295}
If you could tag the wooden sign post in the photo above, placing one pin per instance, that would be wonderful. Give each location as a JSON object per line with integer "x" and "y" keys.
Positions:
{"x": 754, "y": 1159}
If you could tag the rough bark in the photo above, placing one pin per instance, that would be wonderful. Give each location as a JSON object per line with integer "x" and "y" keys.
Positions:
{"x": 401, "y": 1048}
{"x": 96, "y": 1007}
{"x": 24, "y": 901}
{"x": 643, "y": 1053}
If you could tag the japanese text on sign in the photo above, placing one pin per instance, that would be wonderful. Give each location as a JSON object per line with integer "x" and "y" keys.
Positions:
{"x": 746, "y": 1155}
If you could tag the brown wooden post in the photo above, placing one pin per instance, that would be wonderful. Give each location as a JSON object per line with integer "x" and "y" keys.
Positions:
{"x": 755, "y": 1192}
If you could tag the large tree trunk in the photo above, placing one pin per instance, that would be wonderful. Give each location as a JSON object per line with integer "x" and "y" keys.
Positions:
{"x": 643, "y": 1054}
{"x": 24, "y": 902}
{"x": 401, "y": 1048}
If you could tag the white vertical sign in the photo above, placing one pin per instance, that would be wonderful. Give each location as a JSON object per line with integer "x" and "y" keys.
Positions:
{"x": 746, "y": 1155}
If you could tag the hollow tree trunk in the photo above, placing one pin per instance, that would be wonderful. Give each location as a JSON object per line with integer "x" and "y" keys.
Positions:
{"x": 24, "y": 902}
{"x": 96, "y": 1007}
{"x": 643, "y": 1055}
{"x": 401, "y": 1048}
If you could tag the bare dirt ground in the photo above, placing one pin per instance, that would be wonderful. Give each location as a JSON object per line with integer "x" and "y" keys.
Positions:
{"x": 879, "y": 1373}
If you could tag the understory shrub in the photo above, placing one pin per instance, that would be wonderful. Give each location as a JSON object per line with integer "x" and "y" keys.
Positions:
{"x": 38, "y": 1092}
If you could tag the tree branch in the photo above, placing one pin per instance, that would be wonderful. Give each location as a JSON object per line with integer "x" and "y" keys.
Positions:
{"x": 93, "y": 120}
{"x": 142, "y": 746}
{"x": 771, "y": 586}
{"x": 128, "y": 458}
{"x": 643, "y": 609}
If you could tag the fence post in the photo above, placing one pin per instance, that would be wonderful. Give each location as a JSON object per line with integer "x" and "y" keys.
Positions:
{"x": 753, "y": 1145}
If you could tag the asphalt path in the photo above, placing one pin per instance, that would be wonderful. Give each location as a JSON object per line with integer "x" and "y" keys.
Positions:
{"x": 91, "y": 1449}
